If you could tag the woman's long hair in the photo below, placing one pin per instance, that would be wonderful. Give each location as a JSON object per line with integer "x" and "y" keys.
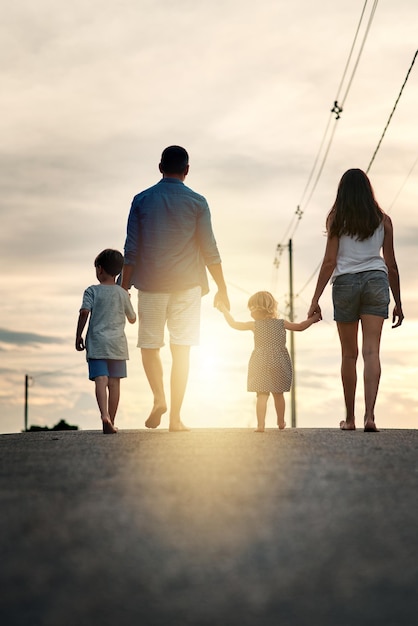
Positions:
{"x": 355, "y": 212}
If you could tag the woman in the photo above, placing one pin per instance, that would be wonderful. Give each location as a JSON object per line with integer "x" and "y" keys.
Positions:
{"x": 357, "y": 229}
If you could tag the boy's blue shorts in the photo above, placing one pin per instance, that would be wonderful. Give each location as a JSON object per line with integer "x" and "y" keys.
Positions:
{"x": 106, "y": 367}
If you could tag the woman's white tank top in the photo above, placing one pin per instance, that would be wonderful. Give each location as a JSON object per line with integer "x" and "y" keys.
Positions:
{"x": 360, "y": 256}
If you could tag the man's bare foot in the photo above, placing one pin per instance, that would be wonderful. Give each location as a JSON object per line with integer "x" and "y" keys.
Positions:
{"x": 154, "y": 418}
{"x": 281, "y": 425}
{"x": 346, "y": 425}
{"x": 259, "y": 430}
{"x": 109, "y": 428}
{"x": 370, "y": 427}
{"x": 178, "y": 427}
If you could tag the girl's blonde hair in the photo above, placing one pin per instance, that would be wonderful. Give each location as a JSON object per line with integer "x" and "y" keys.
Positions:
{"x": 263, "y": 301}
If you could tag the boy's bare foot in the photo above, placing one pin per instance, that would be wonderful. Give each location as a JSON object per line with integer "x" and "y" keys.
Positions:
{"x": 154, "y": 418}
{"x": 109, "y": 428}
{"x": 259, "y": 430}
{"x": 347, "y": 425}
{"x": 178, "y": 427}
{"x": 370, "y": 427}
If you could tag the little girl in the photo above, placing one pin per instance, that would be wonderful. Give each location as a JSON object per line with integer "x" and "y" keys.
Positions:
{"x": 270, "y": 367}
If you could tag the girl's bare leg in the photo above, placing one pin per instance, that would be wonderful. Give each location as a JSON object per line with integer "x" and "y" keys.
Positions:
{"x": 348, "y": 332}
{"x": 261, "y": 409}
{"x": 280, "y": 405}
{"x": 114, "y": 395}
{"x": 372, "y": 331}
{"x": 101, "y": 383}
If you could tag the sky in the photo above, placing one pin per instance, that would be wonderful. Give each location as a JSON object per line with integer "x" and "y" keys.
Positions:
{"x": 92, "y": 92}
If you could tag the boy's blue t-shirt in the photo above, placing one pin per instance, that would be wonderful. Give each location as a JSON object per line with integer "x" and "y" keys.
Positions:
{"x": 109, "y": 306}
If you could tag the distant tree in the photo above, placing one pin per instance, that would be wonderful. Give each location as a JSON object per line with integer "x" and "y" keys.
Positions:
{"x": 61, "y": 425}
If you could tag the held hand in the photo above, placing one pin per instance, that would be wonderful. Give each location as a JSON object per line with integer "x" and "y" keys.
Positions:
{"x": 79, "y": 344}
{"x": 315, "y": 309}
{"x": 221, "y": 300}
{"x": 316, "y": 317}
{"x": 397, "y": 315}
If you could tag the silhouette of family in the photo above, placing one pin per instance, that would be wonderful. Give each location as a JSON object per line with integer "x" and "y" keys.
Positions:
{"x": 169, "y": 247}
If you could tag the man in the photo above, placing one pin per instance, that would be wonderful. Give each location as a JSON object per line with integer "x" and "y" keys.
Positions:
{"x": 168, "y": 246}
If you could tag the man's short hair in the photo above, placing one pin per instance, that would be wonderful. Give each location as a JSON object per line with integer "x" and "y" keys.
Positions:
{"x": 174, "y": 160}
{"x": 110, "y": 260}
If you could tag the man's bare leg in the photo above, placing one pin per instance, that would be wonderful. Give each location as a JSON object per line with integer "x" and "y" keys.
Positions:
{"x": 178, "y": 384}
{"x": 153, "y": 368}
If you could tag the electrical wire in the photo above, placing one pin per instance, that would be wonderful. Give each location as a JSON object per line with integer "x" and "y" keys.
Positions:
{"x": 391, "y": 115}
{"x": 403, "y": 184}
{"x": 337, "y": 110}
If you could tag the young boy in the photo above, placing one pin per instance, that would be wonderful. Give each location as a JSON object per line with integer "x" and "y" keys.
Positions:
{"x": 106, "y": 345}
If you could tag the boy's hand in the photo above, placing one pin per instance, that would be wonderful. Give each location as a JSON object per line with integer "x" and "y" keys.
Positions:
{"x": 79, "y": 344}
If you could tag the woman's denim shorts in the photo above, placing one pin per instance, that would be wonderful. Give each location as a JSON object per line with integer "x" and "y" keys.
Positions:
{"x": 365, "y": 293}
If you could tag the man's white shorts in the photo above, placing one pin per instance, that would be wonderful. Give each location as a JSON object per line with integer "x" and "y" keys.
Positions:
{"x": 179, "y": 310}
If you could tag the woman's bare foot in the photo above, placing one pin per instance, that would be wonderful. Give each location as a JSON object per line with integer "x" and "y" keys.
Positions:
{"x": 347, "y": 425}
{"x": 154, "y": 418}
{"x": 108, "y": 427}
{"x": 370, "y": 427}
{"x": 178, "y": 427}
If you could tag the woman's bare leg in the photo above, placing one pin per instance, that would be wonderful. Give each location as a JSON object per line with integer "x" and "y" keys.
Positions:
{"x": 348, "y": 333}
{"x": 372, "y": 332}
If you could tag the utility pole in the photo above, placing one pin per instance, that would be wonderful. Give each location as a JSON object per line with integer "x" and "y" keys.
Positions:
{"x": 28, "y": 379}
{"x": 292, "y": 337}
{"x": 291, "y": 319}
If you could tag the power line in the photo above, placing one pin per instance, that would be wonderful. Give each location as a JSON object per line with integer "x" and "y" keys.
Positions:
{"x": 393, "y": 111}
{"x": 403, "y": 184}
{"x": 336, "y": 110}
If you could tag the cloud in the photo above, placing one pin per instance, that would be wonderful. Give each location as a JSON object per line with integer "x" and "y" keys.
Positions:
{"x": 18, "y": 338}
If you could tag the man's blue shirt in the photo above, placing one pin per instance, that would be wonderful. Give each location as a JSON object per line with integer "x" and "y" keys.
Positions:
{"x": 169, "y": 238}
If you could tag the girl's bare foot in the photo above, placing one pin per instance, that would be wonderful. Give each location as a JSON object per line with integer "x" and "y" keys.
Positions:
{"x": 259, "y": 430}
{"x": 347, "y": 425}
{"x": 281, "y": 425}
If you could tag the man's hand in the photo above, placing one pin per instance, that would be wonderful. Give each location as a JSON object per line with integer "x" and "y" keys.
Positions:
{"x": 221, "y": 300}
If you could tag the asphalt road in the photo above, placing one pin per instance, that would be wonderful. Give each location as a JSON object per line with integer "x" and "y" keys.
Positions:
{"x": 212, "y": 527}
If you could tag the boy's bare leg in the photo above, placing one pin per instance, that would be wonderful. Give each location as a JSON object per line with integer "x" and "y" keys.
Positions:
{"x": 101, "y": 383}
{"x": 261, "y": 410}
{"x": 178, "y": 383}
{"x": 153, "y": 368}
{"x": 114, "y": 395}
{"x": 280, "y": 405}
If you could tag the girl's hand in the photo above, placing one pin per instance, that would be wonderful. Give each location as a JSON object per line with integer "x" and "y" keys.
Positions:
{"x": 221, "y": 306}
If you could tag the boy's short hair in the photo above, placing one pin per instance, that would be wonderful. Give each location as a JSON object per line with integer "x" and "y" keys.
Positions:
{"x": 174, "y": 160}
{"x": 110, "y": 260}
